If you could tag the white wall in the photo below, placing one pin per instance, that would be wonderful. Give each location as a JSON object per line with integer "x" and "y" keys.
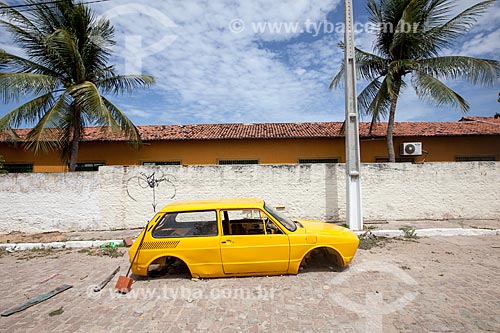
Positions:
{"x": 119, "y": 197}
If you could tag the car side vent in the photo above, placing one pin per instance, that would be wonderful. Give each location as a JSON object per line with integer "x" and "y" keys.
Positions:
{"x": 160, "y": 245}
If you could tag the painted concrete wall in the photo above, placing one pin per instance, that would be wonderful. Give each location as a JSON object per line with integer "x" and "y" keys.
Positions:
{"x": 121, "y": 197}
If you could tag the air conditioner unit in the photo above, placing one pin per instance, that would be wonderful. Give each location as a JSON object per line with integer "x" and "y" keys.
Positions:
{"x": 411, "y": 148}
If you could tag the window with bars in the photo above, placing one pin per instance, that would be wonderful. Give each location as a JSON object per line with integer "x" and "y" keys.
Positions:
{"x": 318, "y": 160}
{"x": 398, "y": 159}
{"x": 91, "y": 166}
{"x": 18, "y": 167}
{"x": 161, "y": 163}
{"x": 233, "y": 162}
{"x": 472, "y": 158}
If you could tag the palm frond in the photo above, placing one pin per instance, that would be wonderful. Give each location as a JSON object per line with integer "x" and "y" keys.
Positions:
{"x": 368, "y": 67}
{"x": 87, "y": 97}
{"x": 380, "y": 103}
{"x": 44, "y": 135}
{"x": 367, "y": 95}
{"x": 14, "y": 63}
{"x": 97, "y": 48}
{"x": 476, "y": 71}
{"x": 63, "y": 45}
{"x": 120, "y": 84}
{"x": 13, "y": 85}
{"x": 338, "y": 79}
{"x": 125, "y": 124}
{"x": 446, "y": 34}
{"x": 28, "y": 112}
{"x": 16, "y": 18}
{"x": 431, "y": 89}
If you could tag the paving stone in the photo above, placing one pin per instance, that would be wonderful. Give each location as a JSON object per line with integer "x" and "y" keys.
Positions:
{"x": 428, "y": 285}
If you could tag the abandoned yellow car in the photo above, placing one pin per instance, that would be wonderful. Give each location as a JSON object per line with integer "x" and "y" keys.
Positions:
{"x": 235, "y": 237}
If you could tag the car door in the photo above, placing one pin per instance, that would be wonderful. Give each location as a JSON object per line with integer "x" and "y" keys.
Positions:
{"x": 192, "y": 236}
{"x": 249, "y": 246}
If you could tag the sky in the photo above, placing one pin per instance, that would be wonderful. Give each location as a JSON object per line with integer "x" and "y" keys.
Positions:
{"x": 226, "y": 61}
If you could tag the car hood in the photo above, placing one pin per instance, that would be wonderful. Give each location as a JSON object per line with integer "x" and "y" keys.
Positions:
{"x": 318, "y": 227}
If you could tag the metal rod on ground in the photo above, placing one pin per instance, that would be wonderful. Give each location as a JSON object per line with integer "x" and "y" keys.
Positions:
{"x": 106, "y": 280}
{"x": 352, "y": 166}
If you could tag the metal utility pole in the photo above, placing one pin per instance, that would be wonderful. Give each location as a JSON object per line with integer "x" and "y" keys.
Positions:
{"x": 352, "y": 167}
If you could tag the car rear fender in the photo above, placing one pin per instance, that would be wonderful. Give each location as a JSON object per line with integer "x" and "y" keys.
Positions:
{"x": 165, "y": 255}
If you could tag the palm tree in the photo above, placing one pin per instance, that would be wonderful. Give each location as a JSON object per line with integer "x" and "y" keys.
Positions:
{"x": 64, "y": 74}
{"x": 410, "y": 37}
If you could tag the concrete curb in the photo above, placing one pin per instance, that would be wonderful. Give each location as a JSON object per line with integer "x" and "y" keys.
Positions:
{"x": 10, "y": 247}
{"x": 434, "y": 232}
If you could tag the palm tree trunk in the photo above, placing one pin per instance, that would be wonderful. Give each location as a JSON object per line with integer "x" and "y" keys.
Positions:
{"x": 74, "y": 143}
{"x": 390, "y": 127}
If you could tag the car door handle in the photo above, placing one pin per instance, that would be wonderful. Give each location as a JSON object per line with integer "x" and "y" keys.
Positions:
{"x": 228, "y": 241}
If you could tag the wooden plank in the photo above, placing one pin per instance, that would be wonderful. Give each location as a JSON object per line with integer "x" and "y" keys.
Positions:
{"x": 37, "y": 300}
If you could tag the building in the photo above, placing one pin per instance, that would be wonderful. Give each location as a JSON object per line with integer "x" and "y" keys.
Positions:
{"x": 470, "y": 139}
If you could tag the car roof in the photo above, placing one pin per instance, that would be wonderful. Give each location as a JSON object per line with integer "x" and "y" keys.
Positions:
{"x": 230, "y": 203}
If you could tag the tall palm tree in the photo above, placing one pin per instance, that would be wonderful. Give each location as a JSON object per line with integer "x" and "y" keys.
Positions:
{"x": 410, "y": 37}
{"x": 64, "y": 74}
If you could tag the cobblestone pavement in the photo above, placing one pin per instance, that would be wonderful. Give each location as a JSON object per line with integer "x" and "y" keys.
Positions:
{"x": 431, "y": 284}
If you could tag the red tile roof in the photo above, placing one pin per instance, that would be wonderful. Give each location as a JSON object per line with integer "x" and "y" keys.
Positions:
{"x": 486, "y": 120}
{"x": 466, "y": 126}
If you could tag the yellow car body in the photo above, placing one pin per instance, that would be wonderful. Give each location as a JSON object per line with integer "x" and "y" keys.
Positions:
{"x": 235, "y": 237}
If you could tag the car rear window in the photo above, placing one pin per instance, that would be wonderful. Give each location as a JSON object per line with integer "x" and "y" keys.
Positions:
{"x": 187, "y": 224}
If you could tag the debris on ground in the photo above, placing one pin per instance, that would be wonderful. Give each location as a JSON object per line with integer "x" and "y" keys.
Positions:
{"x": 112, "y": 252}
{"x": 110, "y": 245}
{"x": 36, "y": 300}
{"x": 50, "y": 277}
{"x": 56, "y": 312}
{"x": 128, "y": 241}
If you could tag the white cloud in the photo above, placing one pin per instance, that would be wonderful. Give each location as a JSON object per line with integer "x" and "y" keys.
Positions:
{"x": 224, "y": 76}
{"x": 207, "y": 74}
{"x": 482, "y": 44}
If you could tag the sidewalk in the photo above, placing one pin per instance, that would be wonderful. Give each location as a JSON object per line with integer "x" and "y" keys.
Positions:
{"x": 426, "y": 224}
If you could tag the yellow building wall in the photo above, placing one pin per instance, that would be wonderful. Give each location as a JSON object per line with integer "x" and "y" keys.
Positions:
{"x": 266, "y": 151}
{"x": 210, "y": 151}
{"x": 439, "y": 149}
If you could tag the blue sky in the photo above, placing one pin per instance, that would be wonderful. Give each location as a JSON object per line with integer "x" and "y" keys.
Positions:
{"x": 218, "y": 61}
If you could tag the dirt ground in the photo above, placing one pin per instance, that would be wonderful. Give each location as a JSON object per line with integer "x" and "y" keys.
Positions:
{"x": 438, "y": 284}
{"x": 56, "y": 236}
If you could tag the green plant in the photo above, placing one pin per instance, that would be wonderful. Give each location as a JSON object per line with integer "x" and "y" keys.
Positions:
{"x": 369, "y": 227}
{"x": 112, "y": 252}
{"x": 368, "y": 241}
{"x": 409, "y": 232}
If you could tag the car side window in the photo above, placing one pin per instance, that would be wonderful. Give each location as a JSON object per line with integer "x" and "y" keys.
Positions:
{"x": 187, "y": 224}
{"x": 247, "y": 222}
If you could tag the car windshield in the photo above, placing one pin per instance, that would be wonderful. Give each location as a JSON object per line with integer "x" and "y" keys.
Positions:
{"x": 285, "y": 221}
